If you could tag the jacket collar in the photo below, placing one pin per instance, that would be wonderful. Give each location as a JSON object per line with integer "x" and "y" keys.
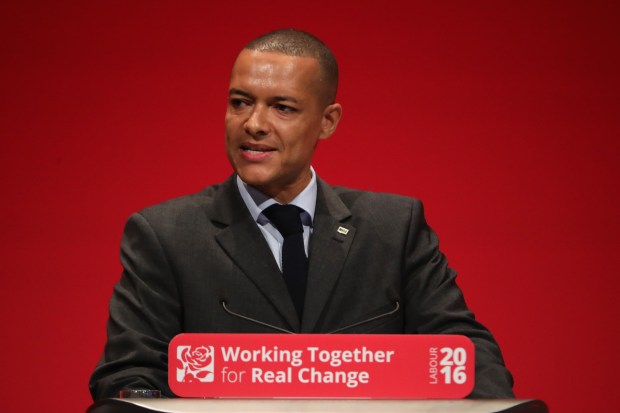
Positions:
{"x": 331, "y": 240}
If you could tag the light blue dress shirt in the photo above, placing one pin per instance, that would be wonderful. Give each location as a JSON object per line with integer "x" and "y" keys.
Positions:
{"x": 257, "y": 202}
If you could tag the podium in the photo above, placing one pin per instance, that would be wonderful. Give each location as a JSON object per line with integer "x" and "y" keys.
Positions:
{"x": 316, "y": 406}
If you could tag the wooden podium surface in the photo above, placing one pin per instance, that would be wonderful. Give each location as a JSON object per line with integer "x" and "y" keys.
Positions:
{"x": 316, "y": 406}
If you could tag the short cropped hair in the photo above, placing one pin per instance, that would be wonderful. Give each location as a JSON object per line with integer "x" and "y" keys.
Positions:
{"x": 292, "y": 42}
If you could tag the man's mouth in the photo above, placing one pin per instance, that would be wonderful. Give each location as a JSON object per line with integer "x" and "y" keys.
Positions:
{"x": 256, "y": 153}
{"x": 256, "y": 149}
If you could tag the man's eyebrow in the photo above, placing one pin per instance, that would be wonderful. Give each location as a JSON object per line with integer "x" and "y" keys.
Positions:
{"x": 285, "y": 98}
{"x": 238, "y": 92}
{"x": 275, "y": 98}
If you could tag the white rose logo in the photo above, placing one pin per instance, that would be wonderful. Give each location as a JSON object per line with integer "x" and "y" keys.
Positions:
{"x": 197, "y": 364}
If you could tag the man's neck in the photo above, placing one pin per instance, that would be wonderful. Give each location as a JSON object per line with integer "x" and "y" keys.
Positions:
{"x": 285, "y": 194}
{"x": 256, "y": 200}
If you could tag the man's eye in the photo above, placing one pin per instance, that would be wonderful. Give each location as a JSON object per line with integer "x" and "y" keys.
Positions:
{"x": 284, "y": 108}
{"x": 237, "y": 103}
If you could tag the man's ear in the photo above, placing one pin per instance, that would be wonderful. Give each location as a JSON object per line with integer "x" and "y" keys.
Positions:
{"x": 331, "y": 117}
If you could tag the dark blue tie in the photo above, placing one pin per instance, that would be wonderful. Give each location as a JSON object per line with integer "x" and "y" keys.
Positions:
{"x": 287, "y": 221}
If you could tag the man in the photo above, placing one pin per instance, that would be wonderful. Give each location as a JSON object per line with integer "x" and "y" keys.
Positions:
{"x": 218, "y": 261}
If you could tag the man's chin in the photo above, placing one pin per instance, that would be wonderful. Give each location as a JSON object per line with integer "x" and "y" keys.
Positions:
{"x": 255, "y": 179}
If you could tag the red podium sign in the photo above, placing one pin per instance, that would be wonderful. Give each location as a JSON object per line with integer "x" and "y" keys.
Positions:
{"x": 316, "y": 365}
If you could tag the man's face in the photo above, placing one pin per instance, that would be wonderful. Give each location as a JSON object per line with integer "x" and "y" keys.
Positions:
{"x": 274, "y": 120}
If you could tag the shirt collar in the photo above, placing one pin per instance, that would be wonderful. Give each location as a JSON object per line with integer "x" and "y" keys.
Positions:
{"x": 256, "y": 201}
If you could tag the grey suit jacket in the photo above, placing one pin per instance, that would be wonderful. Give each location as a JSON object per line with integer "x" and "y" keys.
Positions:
{"x": 200, "y": 264}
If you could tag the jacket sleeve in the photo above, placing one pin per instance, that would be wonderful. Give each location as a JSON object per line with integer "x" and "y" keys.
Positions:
{"x": 144, "y": 317}
{"x": 435, "y": 305}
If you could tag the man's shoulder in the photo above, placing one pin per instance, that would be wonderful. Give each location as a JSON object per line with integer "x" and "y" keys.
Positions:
{"x": 380, "y": 207}
{"x": 191, "y": 205}
{"x": 352, "y": 194}
{"x": 357, "y": 198}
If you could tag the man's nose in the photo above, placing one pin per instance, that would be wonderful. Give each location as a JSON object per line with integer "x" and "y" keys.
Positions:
{"x": 257, "y": 124}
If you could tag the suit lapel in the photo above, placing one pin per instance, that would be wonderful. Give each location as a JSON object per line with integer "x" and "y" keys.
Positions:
{"x": 330, "y": 244}
{"x": 247, "y": 248}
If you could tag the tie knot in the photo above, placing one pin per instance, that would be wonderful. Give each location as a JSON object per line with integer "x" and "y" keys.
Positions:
{"x": 285, "y": 218}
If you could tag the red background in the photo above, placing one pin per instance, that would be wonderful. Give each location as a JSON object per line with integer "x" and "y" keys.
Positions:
{"x": 501, "y": 115}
